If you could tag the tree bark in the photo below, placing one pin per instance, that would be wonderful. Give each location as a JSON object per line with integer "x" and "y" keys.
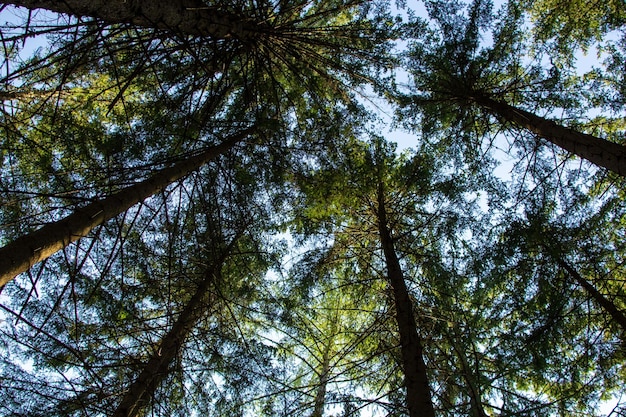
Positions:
{"x": 138, "y": 394}
{"x": 189, "y": 17}
{"x": 601, "y": 152}
{"x": 25, "y": 251}
{"x": 615, "y": 313}
{"x": 320, "y": 395}
{"x": 419, "y": 400}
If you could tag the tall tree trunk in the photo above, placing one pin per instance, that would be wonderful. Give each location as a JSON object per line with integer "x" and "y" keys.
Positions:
{"x": 189, "y": 17}
{"x": 601, "y": 152}
{"x": 25, "y": 251}
{"x": 138, "y": 394}
{"x": 320, "y": 395}
{"x": 419, "y": 400}
{"x": 615, "y": 313}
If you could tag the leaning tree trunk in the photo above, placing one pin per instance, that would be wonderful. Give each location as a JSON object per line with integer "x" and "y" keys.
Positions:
{"x": 138, "y": 394}
{"x": 25, "y": 251}
{"x": 419, "y": 400}
{"x": 476, "y": 404}
{"x": 187, "y": 17}
{"x": 615, "y": 313}
{"x": 601, "y": 152}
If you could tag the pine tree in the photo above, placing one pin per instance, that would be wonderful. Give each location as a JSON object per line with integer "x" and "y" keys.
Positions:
{"x": 23, "y": 252}
{"x": 456, "y": 79}
{"x": 287, "y": 260}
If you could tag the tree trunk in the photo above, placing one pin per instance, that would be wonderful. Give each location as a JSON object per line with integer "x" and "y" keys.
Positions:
{"x": 419, "y": 400}
{"x": 188, "y": 17}
{"x": 476, "y": 405}
{"x": 320, "y": 395}
{"x": 604, "y": 302}
{"x": 25, "y": 251}
{"x": 156, "y": 369}
{"x": 601, "y": 152}
{"x": 138, "y": 394}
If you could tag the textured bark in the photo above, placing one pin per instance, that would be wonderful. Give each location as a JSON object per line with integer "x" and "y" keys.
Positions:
{"x": 601, "y": 152}
{"x": 604, "y": 302}
{"x": 189, "y": 17}
{"x": 419, "y": 400}
{"x": 138, "y": 394}
{"x": 25, "y": 251}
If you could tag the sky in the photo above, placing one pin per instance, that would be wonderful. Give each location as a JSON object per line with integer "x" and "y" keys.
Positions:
{"x": 403, "y": 138}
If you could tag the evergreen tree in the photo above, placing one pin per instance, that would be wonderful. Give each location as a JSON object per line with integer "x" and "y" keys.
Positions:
{"x": 457, "y": 80}
{"x": 202, "y": 221}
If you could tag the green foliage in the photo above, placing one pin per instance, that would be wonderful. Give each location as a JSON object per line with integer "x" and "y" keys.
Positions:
{"x": 509, "y": 278}
{"x": 574, "y": 24}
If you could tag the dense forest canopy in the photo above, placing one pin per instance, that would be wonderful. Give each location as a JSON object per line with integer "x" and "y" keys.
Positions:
{"x": 203, "y": 209}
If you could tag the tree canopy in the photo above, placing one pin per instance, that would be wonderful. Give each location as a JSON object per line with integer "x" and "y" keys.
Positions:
{"x": 205, "y": 208}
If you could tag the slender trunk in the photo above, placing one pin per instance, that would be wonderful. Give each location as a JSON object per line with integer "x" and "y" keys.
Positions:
{"x": 324, "y": 373}
{"x": 156, "y": 369}
{"x": 419, "y": 400}
{"x": 25, "y": 251}
{"x": 320, "y": 395}
{"x": 601, "y": 152}
{"x": 188, "y": 17}
{"x": 604, "y": 302}
{"x": 476, "y": 406}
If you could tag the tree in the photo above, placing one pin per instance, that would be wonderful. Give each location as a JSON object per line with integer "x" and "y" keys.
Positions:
{"x": 419, "y": 400}
{"x": 139, "y": 323}
{"x": 23, "y": 252}
{"x": 191, "y": 18}
{"x": 565, "y": 241}
{"x": 234, "y": 100}
{"x": 325, "y": 339}
{"x": 550, "y": 309}
{"x": 312, "y": 43}
{"x": 381, "y": 203}
{"x": 453, "y": 73}
{"x": 599, "y": 151}
{"x": 311, "y": 269}
{"x": 560, "y": 27}
{"x": 156, "y": 368}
